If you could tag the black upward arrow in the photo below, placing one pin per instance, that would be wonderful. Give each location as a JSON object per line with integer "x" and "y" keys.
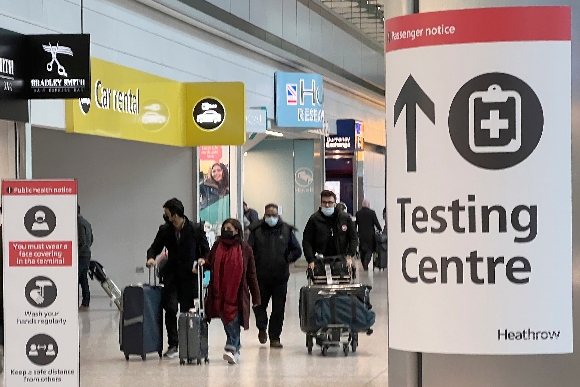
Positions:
{"x": 411, "y": 96}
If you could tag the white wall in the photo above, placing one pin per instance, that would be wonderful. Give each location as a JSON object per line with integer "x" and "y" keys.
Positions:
{"x": 374, "y": 182}
{"x": 122, "y": 188}
{"x": 7, "y": 150}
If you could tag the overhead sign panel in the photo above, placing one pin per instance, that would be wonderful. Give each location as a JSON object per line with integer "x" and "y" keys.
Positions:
{"x": 299, "y": 100}
{"x": 479, "y": 181}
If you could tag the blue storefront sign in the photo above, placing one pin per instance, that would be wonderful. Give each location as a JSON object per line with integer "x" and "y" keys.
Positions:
{"x": 299, "y": 100}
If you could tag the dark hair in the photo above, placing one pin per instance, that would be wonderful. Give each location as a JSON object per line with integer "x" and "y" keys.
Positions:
{"x": 237, "y": 225}
{"x": 224, "y": 185}
{"x": 327, "y": 193}
{"x": 245, "y": 204}
{"x": 340, "y": 206}
{"x": 271, "y": 205}
{"x": 175, "y": 207}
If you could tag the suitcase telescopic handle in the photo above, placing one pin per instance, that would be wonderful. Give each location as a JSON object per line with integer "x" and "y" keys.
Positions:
{"x": 154, "y": 276}
{"x": 200, "y": 294}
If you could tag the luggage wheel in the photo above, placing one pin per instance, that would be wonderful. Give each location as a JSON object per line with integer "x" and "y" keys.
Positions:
{"x": 143, "y": 357}
{"x": 206, "y": 360}
{"x": 127, "y": 357}
{"x": 309, "y": 344}
{"x": 198, "y": 361}
{"x": 324, "y": 350}
{"x": 354, "y": 342}
{"x": 345, "y": 349}
{"x": 160, "y": 354}
{"x": 181, "y": 361}
{"x": 189, "y": 361}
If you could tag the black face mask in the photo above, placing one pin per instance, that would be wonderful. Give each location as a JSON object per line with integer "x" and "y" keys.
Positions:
{"x": 166, "y": 218}
{"x": 228, "y": 234}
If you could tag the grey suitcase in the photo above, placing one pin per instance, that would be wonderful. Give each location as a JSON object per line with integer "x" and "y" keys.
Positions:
{"x": 193, "y": 331}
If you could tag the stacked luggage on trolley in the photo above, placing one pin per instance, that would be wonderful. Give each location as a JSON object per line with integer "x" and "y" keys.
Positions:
{"x": 334, "y": 309}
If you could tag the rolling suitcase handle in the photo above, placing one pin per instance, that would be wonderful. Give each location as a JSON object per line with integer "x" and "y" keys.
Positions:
{"x": 154, "y": 277}
{"x": 200, "y": 295}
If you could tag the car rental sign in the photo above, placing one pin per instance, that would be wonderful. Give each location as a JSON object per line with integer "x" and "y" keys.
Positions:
{"x": 479, "y": 181}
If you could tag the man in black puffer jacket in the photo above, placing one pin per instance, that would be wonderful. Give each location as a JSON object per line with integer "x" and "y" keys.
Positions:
{"x": 275, "y": 248}
{"x": 329, "y": 232}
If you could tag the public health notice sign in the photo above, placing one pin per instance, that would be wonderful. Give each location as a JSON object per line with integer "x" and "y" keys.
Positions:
{"x": 479, "y": 181}
{"x": 39, "y": 228}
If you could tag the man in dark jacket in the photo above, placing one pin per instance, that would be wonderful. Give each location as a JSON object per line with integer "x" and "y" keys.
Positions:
{"x": 329, "y": 232}
{"x": 275, "y": 247}
{"x": 185, "y": 243}
{"x": 366, "y": 222}
{"x": 85, "y": 241}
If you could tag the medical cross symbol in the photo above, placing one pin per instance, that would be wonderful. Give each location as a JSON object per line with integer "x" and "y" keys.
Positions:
{"x": 54, "y": 50}
{"x": 494, "y": 124}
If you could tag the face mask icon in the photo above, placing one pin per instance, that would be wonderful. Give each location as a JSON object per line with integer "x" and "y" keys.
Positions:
{"x": 495, "y": 121}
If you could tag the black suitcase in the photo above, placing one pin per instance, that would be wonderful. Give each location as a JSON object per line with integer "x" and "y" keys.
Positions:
{"x": 141, "y": 330}
{"x": 340, "y": 271}
{"x": 309, "y": 295}
{"x": 193, "y": 332}
{"x": 380, "y": 261}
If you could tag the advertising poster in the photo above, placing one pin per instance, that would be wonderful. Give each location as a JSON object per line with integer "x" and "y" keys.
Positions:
{"x": 214, "y": 188}
{"x": 479, "y": 181}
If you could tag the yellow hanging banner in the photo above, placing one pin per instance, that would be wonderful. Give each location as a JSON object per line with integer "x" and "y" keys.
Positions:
{"x": 133, "y": 105}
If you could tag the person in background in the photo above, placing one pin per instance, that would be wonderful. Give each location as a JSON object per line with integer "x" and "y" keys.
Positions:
{"x": 215, "y": 186}
{"x": 275, "y": 247}
{"x": 184, "y": 242}
{"x": 329, "y": 232}
{"x": 233, "y": 279}
{"x": 85, "y": 241}
{"x": 250, "y": 218}
{"x": 366, "y": 222}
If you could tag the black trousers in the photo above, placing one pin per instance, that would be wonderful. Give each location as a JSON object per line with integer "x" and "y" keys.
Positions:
{"x": 276, "y": 290}
{"x": 177, "y": 295}
{"x": 365, "y": 257}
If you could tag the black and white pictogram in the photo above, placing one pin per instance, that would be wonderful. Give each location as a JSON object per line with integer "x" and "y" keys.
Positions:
{"x": 54, "y": 51}
{"x": 40, "y": 221}
{"x": 85, "y": 105}
{"x": 209, "y": 114}
{"x": 41, "y": 350}
{"x": 495, "y": 121}
{"x": 40, "y": 292}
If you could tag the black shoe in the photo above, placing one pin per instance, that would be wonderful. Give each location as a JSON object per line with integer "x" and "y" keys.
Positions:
{"x": 263, "y": 336}
{"x": 276, "y": 344}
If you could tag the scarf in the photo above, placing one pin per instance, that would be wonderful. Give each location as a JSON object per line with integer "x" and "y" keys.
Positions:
{"x": 228, "y": 271}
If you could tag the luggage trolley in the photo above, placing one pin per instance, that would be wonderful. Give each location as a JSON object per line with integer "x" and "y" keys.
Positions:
{"x": 337, "y": 277}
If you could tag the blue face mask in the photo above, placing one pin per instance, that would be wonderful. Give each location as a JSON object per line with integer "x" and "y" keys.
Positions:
{"x": 271, "y": 221}
{"x": 327, "y": 211}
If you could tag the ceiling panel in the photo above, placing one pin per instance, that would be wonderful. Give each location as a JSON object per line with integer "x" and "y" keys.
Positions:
{"x": 366, "y": 15}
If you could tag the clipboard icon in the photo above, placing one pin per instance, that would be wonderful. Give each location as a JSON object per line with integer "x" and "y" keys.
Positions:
{"x": 495, "y": 121}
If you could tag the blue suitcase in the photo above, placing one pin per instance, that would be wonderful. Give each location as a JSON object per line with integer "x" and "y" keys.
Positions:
{"x": 141, "y": 320}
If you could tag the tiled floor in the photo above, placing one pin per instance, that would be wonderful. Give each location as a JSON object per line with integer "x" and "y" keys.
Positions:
{"x": 102, "y": 364}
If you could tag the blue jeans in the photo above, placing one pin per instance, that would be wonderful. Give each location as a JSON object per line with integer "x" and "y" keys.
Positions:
{"x": 233, "y": 330}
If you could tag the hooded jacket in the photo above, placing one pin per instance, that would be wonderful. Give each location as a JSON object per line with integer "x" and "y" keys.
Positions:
{"x": 329, "y": 235}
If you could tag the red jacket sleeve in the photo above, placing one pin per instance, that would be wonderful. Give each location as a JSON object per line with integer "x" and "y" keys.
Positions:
{"x": 251, "y": 276}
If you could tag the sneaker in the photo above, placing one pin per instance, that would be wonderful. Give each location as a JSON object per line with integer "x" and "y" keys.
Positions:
{"x": 276, "y": 344}
{"x": 171, "y": 353}
{"x": 230, "y": 357}
{"x": 263, "y": 336}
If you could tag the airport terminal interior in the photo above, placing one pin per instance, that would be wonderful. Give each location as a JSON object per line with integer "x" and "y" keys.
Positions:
{"x": 133, "y": 132}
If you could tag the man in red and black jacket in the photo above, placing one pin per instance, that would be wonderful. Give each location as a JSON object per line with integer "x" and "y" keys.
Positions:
{"x": 185, "y": 243}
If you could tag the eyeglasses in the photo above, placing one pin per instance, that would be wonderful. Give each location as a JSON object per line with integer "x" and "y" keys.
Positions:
{"x": 328, "y": 203}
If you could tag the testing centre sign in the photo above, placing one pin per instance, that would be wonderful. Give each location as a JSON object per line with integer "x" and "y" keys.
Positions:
{"x": 41, "y": 276}
{"x": 479, "y": 181}
{"x": 299, "y": 100}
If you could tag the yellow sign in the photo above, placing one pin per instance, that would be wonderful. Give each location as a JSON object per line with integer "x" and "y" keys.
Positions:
{"x": 133, "y": 105}
{"x": 128, "y": 104}
{"x": 216, "y": 113}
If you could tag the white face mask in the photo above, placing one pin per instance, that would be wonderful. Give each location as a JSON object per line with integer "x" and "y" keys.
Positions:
{"x": 271, "y": 221}
{"x": 327, "y": 211}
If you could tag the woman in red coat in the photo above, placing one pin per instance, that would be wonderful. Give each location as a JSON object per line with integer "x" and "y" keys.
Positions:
{"x": 233, "y": 278}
